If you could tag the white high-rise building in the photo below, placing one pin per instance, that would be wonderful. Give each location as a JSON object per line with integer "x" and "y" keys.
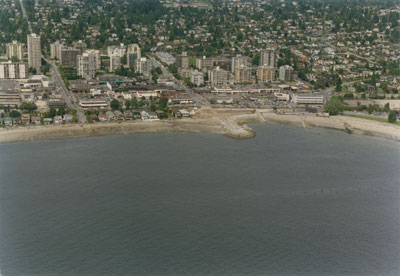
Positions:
{"x": 238, "y": 61}
{"x": 268, "y": 58}
{"x": 243, "y": 74}
{"x": 34, "y": 52}
{"x": 98, "y": 58}
{"x": 265, "y": 74}
{"x": 118, "y": 50}
{"x": 13, "y": 70}
{"x": 15, "y": 49}
{"x": 144, "y": 66}
{"x": 197, "y": 78}
{"x": 55, "y": 50}
{"x": 182, "y": 61}
{"x": 286, "y": 73}
{"x": 133, "y": 54}
{"x": 115, "y": 62}
{"x": 86, "y": 65}
{"x": 218, "y": 77}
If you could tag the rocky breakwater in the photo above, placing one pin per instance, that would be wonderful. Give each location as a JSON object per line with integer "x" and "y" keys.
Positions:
{"x": 236, "y": 126}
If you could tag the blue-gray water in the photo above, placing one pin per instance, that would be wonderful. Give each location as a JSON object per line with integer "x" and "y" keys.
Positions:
{"x": 291, "y": 201}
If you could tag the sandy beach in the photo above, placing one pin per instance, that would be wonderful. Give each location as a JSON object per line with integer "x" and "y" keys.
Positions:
{"x": 229, "y": 122}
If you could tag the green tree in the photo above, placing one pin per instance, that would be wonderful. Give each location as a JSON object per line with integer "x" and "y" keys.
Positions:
{"x": 61, "y": 111}
{"x": 338, "y": 84}
{"x": 334, "y": 106}
{"x": 158, "y": 70}
{"x": 52, "y": 112}
{"x": 371, "y": 108}
{"x": 392, "y": 117}
{"x": 114, "y": 104}
{"x": 163, "y": 103}
{"x": 134, "y": 102}
{"x": 127, "y": 104}
{"x": 30, "y": 107}
{"x": 15, "y": 114}
{"x": 386, "y": 108}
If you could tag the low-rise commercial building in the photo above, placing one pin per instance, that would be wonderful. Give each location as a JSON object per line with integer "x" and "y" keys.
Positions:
{"x": 308, "y": 99}
{"x": 11, "y": 99}
{"x": 93, "y": 104}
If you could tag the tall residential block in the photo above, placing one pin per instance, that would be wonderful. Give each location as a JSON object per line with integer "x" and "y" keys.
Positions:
{"x": 218, "y": 77}
{"x": 116, "y": 50}
{"x": 115, "y": 63}
{"x": 96, "y": 53}
{"x": 243, "y": 74}
{"x": 34, "y": 51}
{"x": 68, "y": 57}
{"x": 133, "y": 54}
{"x": 15, "y": 49}
{"x": 286, "y": 73}
{"x": 268, "y": 57}
{"x": 81, "y": 46}
{"x": 13, "y": 70}
{"x": 144, "y": 66}
{"x": 265, "y": 74}
{"x": 205, "y": 63}
{"x": 197, "y": 78}
{"x": 238, "y": 61}
{"x": 86, "y": 65}
{"x": 182, "y": 61}
{"x": 55, "y": 50}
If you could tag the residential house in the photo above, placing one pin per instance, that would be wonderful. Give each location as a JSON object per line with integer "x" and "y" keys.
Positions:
{"x": 47, "y": 121}
{"x": 144, "y": 115}
{"x": 136, "y": 115}
{"x": 110, "y": 116}
{"x": 17, "y": 121}
{"x": 118, "y": 115}
{"x": 184, "y": 113}
{"x": 26, "y": 119}
{"x": 94, "y": 117}
{"x": 68, "y": 118}
{"x": 8, "y": 121}
{"x": 128, "y": 115}
{"x": 58, "y": 120}
{"x": 153, "y": 116}
{"x": 35, "y": 120}
{"x": 103, "y": 117}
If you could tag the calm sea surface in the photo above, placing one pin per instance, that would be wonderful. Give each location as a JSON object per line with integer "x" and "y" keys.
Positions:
{"x": 291, "y": 201}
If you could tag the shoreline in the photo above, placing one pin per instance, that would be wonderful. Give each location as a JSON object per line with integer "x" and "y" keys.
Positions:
{"x": 228, "y": 122}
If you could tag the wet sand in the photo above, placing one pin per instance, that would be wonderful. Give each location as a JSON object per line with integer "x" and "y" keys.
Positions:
{"x": 229, "y": 122}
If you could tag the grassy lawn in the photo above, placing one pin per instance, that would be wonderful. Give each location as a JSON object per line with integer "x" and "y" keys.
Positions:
{"x": 369, "y": 118}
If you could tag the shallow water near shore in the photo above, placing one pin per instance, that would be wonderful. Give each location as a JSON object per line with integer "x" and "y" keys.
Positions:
{"x": 290, "y": 201}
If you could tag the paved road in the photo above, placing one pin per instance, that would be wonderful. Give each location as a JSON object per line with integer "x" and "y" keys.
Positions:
{"x": 351, "y": 53}
{"x": 68, "y": 95}
{"x": 25, "y": 16}
{"x": 199, "y": 100}
{"x": 331, "y": 89}
{"x": 58, "y": 81}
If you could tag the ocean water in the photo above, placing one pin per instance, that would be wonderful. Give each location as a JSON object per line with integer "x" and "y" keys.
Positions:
{"x": 290, "y": 201}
